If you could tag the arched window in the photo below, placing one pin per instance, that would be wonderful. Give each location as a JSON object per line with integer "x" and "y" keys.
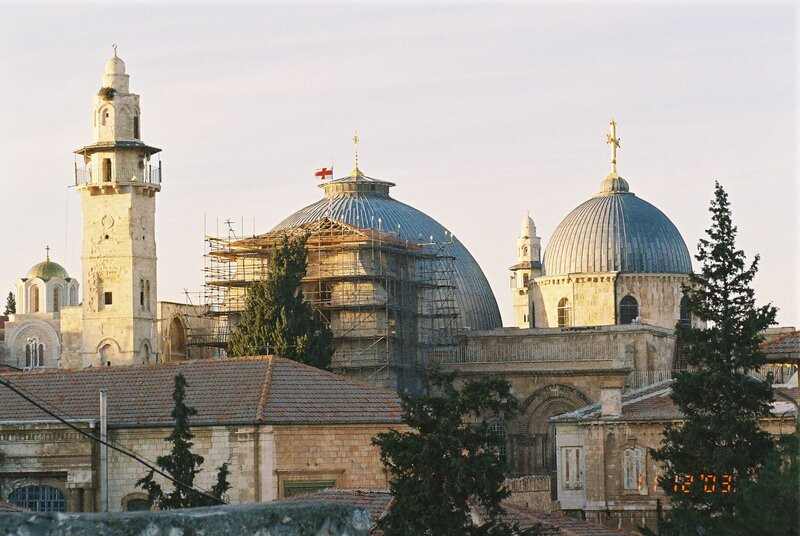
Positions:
{"x": 35, "y": 299}
{"x": 564, "y": 313}
{"x": 177, "y": 340}
{"x": 147, "y": 295}
{"x": 628, "y": 310}
{"x": 136, "y": 127}
{"x": 56, "y": 299}
{"x": 73, "y": 299}
{"x": 685, "y": 317}
{"x": 525, "y": 279}
{"x": 497, "y": 428}
{"x": 633, "y": 478}
{"x": 104, "y": 116}
{"x": 136, "y": 505}
{"x": 106, "y": 169}
{"x": 34, "y": 353}
{"x": 145, "y": 353}
{"x": 39, "y": 498}
{"x": 524, "y": 251}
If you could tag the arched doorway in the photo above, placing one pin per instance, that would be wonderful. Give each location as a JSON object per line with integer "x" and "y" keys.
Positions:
{"x": 543, "y": 404}
{"x": 177, "y": 340}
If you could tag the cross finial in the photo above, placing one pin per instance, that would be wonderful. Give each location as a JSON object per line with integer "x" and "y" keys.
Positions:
{"x": 356, "y": 172}
{"x": 47, "y": 249}
{"x": 114, "y": 46}
{"x": 614, "y": 141}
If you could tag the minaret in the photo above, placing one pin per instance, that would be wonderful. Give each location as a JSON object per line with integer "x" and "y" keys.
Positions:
{"x": 528, "y": 266}
{"x": 117, "y": 188}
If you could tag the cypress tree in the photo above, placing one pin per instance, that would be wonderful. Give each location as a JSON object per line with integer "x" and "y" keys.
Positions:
{"x": 181, "y": 463}
{"x": 11, "y": 304}
{"x": 277, "y": 319}
{"x": 720, "y": 402}
{"x": 448, "y": 462}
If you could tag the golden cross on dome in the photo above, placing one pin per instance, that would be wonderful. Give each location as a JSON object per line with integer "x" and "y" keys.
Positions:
{"x": 355, "y": 142}
{"x": 614, "y": 141}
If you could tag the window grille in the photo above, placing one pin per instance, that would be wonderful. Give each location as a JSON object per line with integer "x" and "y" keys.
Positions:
{"x": 39, "y": 498}
{"x": 498, "y": 429}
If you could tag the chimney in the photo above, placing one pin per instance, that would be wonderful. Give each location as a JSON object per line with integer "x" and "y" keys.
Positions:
{"x": 611, "y": 402}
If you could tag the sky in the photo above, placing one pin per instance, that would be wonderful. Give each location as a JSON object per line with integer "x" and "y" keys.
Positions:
{"x": 478, "y": 112}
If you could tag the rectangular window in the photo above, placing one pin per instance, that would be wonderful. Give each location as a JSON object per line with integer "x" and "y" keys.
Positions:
{"x": 135, "y": 127}
{"x": 291, "y": 489}
{"x": 633, "y": 477}
{"x": 572, "y": 467}
{"x": 107, "y": 170}
{"x": 107, "y": 298}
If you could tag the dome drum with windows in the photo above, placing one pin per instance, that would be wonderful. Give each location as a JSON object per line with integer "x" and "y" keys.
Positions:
{"x": 615, "y": 259}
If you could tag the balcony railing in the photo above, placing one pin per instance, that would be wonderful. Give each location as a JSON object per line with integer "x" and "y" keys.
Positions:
{"x": 148, "y": 174}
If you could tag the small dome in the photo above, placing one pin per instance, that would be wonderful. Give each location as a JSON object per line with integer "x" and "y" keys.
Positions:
{"x": 115, "y": 65}
{"x": 528, "y": 228}
{"x": 48, "y": 270}
{"x": 616, "y": 231}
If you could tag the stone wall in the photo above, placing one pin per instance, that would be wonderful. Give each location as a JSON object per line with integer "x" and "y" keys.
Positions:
{"x": 288, "y": 519}
{"x": 329, "y": 453}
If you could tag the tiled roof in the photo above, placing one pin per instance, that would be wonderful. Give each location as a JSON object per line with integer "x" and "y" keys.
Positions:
{"x": 785, "y": 345}
{"x": 653, "y": 403}
{"x": 375, "y": 501}
{"x": 554, "y": 523}
{"x": 249, "y": 390}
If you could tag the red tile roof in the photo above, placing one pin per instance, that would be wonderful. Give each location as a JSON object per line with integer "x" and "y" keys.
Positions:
{"x": 653, "y": 403}
{"x": 375, "y": 501}
{"x": 782, "y": 345}
{"x": 249, "y": 390}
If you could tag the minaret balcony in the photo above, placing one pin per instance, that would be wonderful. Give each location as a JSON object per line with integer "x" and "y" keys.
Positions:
{"x": 148, "y": 176}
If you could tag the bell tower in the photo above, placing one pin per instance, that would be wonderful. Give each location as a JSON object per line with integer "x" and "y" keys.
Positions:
{"x": 528, "y": 266}
{"x": 117, "y": 185}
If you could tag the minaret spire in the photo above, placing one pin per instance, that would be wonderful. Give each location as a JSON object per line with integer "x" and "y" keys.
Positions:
{"x": 614, "y": 141}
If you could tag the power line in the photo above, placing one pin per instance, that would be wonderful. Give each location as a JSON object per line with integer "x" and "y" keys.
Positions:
{"x": 121, "y": 450}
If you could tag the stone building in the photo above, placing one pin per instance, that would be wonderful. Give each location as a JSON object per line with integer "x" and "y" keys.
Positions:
{"x": 283, "y": 427}
{"x": 605, "y": 471}
{"x": 115, "y": 320}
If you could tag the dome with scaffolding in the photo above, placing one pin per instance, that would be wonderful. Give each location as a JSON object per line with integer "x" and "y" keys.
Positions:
{"x": 365, "y": 203}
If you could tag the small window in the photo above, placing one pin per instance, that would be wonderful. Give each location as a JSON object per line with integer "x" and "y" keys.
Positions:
{"x": 107, "y": 298}
{"x": 136, "y": 127}
{"x": 136, "y": 505}
{"x": 628, "y": 310}
{"x": 39, "y": 498}
{"x": 498, "y": 429}
{"x": 564, "y": 313}
{"x": 107, "y": 170}
{"x": 524, "y": 279}
{"x": 572, "y": 467}
{"x": 56, "y": 299}
{"x": 147, "y": 295}
{"x": 290, "y": 489}
{"x": 35, "y": 300}
{"x": 633, "y": 477}
{"x": 141, "y": 293}
{"x": 73, "y": 298}
{"x": 685, "y": 318}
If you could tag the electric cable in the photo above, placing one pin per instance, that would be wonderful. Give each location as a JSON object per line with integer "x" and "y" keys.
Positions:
{"x": 5, "y": 382}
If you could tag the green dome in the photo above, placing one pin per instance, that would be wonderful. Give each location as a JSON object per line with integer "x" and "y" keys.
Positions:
{"x": 48, "y": 270}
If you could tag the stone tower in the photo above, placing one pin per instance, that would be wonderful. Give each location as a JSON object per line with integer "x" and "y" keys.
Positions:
{"x": 117, "y": 186}
{"x": 528, "y": 266}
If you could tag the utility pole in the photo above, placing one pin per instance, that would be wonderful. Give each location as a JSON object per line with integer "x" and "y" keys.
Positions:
{"x": 103, "y": 451}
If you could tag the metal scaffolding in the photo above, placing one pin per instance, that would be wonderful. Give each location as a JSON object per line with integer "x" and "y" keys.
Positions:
{"x": 389, "y": 302}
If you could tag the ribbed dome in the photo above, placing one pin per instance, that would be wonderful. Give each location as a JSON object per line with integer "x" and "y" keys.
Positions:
{"x": 615, "y": 231}
{"x": 48, "y": 270}
{"x": 365, "y": 202}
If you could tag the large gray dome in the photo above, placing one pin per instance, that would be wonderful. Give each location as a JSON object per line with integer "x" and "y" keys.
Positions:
{"x": 365, "y": 202}
{"x": 615, "y": 231}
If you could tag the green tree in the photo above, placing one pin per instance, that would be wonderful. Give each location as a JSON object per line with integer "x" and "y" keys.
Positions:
{"x": 277, "y": 319}
{"x": 11, "y": 304}
{"x": 181, "y": 463}
{"x": 448, "y": 462}
{"x": 721, "y": 403}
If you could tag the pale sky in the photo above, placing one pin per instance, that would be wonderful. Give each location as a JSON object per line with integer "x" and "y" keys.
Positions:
{"x": 478, "y": 112}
